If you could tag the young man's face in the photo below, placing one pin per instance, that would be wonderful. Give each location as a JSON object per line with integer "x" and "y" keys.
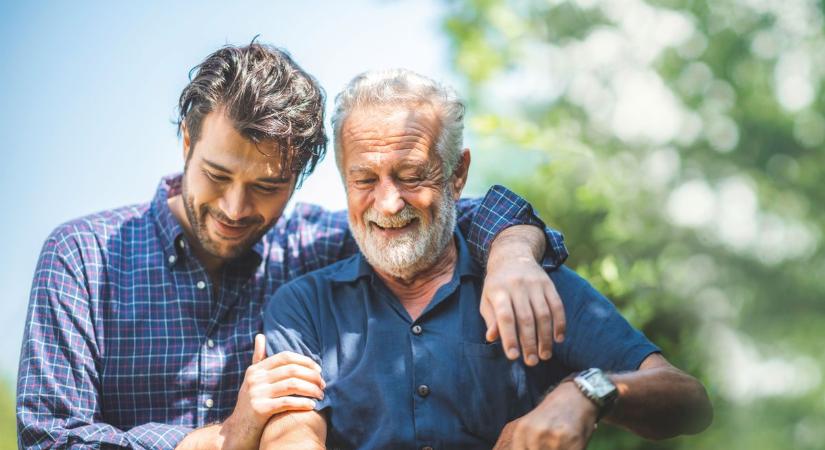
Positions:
{"x": 233, "y": 190}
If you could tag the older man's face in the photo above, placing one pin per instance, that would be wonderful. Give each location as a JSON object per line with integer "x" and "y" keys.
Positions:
{"x": 401, "y": 203}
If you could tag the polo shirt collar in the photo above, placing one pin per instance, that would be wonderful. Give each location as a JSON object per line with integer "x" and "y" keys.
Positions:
{"x": 357, "y": 266}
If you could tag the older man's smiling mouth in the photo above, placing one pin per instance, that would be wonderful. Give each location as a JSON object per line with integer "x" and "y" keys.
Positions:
{"x": 394, "y": 229}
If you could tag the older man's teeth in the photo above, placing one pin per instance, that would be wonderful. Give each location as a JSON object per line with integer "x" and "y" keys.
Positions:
{"x": 391, "y": 225}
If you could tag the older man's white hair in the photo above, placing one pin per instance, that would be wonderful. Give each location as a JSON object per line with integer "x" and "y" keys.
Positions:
{"x": 404, "y": 87}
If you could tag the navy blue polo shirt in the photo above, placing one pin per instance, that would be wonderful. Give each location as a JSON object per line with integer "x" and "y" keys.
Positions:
{"x": 397, "y": 383}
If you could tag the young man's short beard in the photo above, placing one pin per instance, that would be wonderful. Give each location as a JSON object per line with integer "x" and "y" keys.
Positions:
{"x": 197, "y": 221}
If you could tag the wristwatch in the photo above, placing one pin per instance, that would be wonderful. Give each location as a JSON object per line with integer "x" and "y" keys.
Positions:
{"x": 595, "y": 385}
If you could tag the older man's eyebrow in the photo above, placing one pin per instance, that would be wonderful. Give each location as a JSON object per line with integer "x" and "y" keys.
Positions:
{"x": 360, "y": 168}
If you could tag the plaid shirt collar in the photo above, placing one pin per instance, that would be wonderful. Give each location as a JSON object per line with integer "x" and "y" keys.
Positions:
{"x": 175, "y": 246}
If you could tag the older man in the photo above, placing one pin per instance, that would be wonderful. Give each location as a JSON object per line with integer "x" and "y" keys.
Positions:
{"x": 396, "y": 327}
{"x": 141, "y": 319}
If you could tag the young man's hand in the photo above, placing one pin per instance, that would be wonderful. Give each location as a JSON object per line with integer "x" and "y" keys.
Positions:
{"x": 283, "y": 382}
{"x": 519, "y": 302}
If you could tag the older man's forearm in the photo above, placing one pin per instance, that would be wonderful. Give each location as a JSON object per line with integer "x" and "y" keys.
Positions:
{"x": 304, "y": 430}
{"x": 660, "y": 401}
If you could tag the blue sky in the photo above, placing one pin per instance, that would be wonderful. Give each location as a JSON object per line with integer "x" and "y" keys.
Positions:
{"x": 89, "y": 92}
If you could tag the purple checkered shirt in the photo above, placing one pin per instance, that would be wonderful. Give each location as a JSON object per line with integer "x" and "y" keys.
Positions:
{"x": 128, "y": 344}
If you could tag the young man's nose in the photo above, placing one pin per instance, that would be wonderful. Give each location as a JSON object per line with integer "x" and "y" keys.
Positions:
{"x": 235, "y": 203}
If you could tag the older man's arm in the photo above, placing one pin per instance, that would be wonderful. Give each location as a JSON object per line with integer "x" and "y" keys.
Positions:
{"x": 304, "y": 430}
{"x": 658, "y": 401}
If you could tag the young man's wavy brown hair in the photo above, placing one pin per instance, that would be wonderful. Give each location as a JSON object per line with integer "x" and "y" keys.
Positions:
{"x": 266, "y": 95}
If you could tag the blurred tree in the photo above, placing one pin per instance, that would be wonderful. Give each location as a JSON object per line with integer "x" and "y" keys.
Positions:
{"x": 8, "y": 423}
{"x": 679, "y": 145}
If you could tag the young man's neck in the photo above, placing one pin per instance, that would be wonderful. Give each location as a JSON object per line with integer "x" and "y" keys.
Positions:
{"x": 211, "y": 263}
{"x": 416, "y": 291}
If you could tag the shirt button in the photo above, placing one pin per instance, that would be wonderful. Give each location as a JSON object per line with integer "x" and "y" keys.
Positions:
{"x": 182, "y": 243}
{"x": 416, "y": 330}
{"x": 423, "y": 390}
{"x": 210, "y": 343}
{"x": 172, "y": 259}
{"x": 209, "y": 403}
{"x": 201, "y": 284}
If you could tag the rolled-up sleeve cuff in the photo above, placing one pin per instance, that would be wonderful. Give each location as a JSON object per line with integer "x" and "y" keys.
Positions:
{"x": 500, "y": 209}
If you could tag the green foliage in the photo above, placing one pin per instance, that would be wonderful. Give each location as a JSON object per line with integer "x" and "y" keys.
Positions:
{"x": 8, "y": 423}
{"x": 679, "y": 146}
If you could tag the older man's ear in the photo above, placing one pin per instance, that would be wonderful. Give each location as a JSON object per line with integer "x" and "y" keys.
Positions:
{"x": 459, "y": 177}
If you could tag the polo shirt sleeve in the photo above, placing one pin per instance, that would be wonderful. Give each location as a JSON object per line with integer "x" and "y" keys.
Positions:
{"x": 289, "y": 325}
{"x": 597, "y": 335}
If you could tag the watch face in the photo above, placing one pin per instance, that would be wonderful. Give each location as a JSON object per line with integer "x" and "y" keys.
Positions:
{"x": 602, "y": 386}
{"x": 597, "y": 383}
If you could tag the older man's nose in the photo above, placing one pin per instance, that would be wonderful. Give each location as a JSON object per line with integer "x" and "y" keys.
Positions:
{"x": 388, "y": 200}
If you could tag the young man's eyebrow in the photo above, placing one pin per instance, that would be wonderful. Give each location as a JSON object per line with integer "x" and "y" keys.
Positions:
{"x": 216, "y": 166}
{"x": 270, "y": 180}
{"x": 273, "y": 180}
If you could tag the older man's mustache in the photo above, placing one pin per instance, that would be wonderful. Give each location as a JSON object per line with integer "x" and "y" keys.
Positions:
{"x": 398, "y": 220}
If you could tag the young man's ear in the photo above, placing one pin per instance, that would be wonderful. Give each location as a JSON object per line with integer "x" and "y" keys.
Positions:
{"x": 186, "y": 140}
{"x": 460, "y": 173}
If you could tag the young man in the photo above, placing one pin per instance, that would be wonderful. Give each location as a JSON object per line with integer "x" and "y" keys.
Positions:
{"x": 141, "y": 319}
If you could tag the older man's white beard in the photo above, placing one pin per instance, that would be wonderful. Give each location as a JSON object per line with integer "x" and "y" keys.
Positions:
{"x": 412, "y": 252}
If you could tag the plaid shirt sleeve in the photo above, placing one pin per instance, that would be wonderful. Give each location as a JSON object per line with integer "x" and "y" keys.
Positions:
{"x": 482, "y": 220}
{"x": 57, "y": 390}
{"x": 323, "y": 237}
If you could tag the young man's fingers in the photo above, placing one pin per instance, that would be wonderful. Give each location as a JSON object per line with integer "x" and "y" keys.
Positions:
{"x": 557, "y": 310}
{"x": 506, "y": 320}
{"x": 544, "y": 323}
{"x": 526, "y": 327}
{"x": 294, "y": 371}
{"x": 486, "y": 310}
{"x": 259, "y": 353}
{"x": 290, "y": 386}
{"x": 283, "y": 358}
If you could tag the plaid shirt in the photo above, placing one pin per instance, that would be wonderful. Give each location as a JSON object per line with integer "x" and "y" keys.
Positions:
{"x": 128, "y": 342}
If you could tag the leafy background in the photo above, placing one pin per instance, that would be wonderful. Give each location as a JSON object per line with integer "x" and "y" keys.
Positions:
{"x": 679, "y": 146}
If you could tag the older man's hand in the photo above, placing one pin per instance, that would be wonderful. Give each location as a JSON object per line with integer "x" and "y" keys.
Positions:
{"x": 565, "y": 420}
{"x": 519, "y": 302}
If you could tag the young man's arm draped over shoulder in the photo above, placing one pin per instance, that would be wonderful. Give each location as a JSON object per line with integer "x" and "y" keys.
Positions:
{"x": 503, "y": 233}
{"x": 58, "y": 381}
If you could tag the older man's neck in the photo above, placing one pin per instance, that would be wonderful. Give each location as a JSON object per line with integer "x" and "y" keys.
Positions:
{"x": 416, "y": 291}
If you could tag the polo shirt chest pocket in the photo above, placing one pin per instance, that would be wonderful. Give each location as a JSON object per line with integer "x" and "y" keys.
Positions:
{"x": 494, "y": 390}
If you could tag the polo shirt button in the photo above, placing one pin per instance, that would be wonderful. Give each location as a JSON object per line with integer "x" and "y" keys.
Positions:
{"x": 416, "y": 330}
{"x": 423, "y": 390}
{"x": 201, "y": 284}
{"x": 209, "y": 403}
